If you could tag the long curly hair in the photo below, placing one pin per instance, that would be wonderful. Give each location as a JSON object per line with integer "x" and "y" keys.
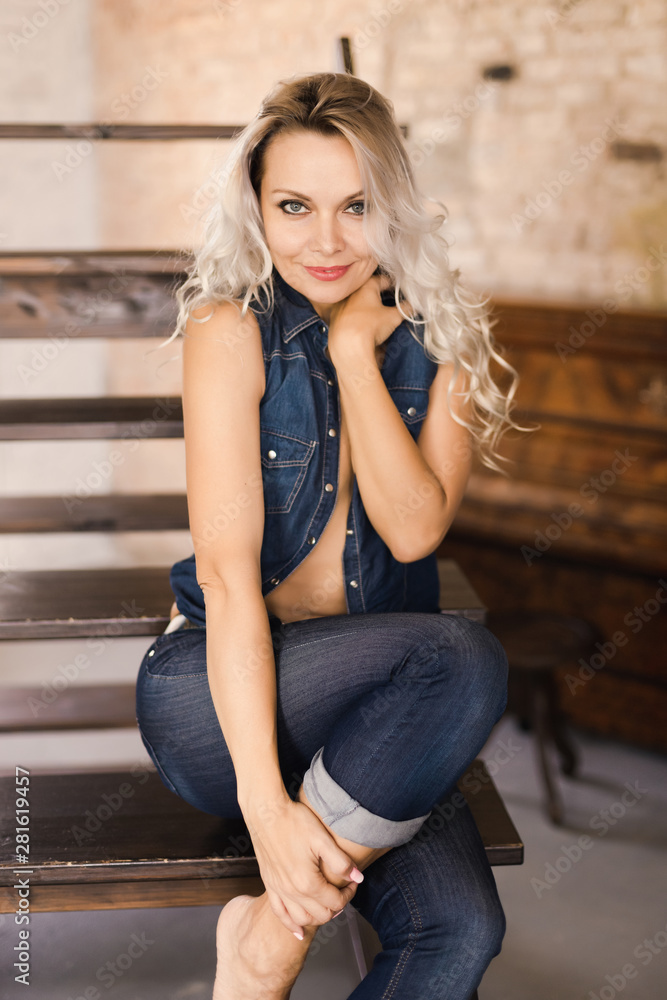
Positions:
{"x": 233, "y": 262}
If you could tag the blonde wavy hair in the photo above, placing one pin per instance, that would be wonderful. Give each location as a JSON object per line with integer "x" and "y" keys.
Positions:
{"x": 233, "y": 262}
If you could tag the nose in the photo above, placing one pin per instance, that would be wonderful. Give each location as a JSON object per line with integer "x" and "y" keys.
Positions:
{"x": 327, "y": 237}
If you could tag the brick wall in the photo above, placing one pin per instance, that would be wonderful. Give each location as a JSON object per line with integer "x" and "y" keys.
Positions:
{"x": 539, "y": 204}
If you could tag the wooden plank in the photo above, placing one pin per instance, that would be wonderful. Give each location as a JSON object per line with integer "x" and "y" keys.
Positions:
{"x": 83, "y": 263}
{"x": 91, "y": 296}
{"x": 93, "y": 706}
{"x": 501, "y": 840}
{"x": 62, "y": 604}
{"x": 133, "y": 895}
{"x": 95, "y": 418}
{"x": 457, "y": 596}
{"x": 615, "y": 531}
{"x": 105, "y": 512}
{"x": 111, "y": 130}
{"x": 542, "y": 324}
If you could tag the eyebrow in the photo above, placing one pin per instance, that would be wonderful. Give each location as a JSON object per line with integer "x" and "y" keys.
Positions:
{"x": 304, "y": 197}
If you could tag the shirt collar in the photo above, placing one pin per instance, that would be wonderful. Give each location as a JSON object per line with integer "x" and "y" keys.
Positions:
{"x": 301, "y": 313}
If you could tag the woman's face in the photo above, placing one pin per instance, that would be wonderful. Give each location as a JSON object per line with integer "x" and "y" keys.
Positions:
{"x": 312, "y": 206}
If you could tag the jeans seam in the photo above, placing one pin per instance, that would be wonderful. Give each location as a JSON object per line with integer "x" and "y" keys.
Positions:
{"x": 404, "y": 888}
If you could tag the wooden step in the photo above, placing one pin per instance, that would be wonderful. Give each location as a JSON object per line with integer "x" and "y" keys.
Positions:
{"x": 106, "y": 512}
{"x": 94, "y": 417}
{"x": 53, "y": 604}
{"x": 121, "y": 838}
{"x": 62, "y": 705}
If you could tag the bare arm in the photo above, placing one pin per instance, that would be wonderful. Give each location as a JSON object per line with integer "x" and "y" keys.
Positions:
{"x": 223, "y": 382}
{"x": 411, "y": 491}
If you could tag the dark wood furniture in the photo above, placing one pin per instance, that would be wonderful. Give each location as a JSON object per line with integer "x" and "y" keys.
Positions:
{"x": 537, "y": 643}
{"x": 513, "y": 537}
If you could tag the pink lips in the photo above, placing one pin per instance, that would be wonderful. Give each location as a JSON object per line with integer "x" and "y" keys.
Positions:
{"x": 328, "y": 273}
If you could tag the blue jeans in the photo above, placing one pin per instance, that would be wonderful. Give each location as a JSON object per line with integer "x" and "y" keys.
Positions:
{"x": 379, "y": 714}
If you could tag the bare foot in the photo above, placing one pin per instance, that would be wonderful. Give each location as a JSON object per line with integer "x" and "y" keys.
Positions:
{"x": 258, "y": 958}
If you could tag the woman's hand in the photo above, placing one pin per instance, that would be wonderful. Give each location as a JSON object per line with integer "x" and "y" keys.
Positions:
{"x": 288, "y": 847}
{"x": 361, "y": 322}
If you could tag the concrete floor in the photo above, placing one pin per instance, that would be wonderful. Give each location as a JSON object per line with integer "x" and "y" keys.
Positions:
{"x": 577, "y": 923}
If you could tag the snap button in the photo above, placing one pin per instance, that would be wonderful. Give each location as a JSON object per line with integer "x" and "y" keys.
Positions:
{"x": 329, "y": 487}
{"x": 323, "y": 328}
{"x": 348, "y": 531}
{"x": 152, "y": 652}
{"x": 329, "y": 381}
{"x": 411, "y": 411}
{"x": 312, "y": 540}
{"x": 332, "y": 432}
{"x": 272, "y": 453}
{"x": 275, "y": 580}
{"x": 353, "y": 583}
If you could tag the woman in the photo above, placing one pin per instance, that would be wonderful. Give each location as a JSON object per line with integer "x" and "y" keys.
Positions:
{"x": 335, "y": 387}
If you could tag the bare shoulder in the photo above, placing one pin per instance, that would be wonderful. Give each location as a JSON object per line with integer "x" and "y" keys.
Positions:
{"x": 218, "y": 336}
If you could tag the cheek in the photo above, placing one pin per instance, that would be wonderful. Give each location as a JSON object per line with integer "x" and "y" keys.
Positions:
{"x": 283, "y": 239}
{"x": 357, "y": 241}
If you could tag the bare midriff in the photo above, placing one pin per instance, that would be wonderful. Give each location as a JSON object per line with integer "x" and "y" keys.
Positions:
{"x": 316, "y": 587}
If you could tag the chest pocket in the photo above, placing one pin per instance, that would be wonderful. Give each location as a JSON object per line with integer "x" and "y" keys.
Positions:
{"x": 285, "y": 459}
{"x": 412, "y": 405}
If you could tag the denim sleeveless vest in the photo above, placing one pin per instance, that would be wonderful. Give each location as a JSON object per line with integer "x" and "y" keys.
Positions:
{"x": 299, "y": 431}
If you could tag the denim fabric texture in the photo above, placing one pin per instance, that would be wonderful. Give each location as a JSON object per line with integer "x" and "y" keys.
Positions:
{"x": 300, "y": 458}
{"x": 378, "y": 714}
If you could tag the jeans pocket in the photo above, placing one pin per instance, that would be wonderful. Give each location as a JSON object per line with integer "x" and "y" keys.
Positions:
{"x": 176, "y": 654}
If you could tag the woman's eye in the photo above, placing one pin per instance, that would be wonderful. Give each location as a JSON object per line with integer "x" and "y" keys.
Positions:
{"x": 357, "y": 205}
{"x": 291, "y": 204}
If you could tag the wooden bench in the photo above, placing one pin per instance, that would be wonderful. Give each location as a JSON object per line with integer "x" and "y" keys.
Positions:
{"x": 119, "y": 838}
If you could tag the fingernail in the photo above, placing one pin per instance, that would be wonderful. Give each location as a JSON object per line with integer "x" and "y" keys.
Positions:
{"x": 299, "y": 936}
{"x": 356, "y": 875}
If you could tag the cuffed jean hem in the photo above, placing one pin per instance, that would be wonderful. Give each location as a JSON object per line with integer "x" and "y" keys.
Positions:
{"x": 347, "y": 818}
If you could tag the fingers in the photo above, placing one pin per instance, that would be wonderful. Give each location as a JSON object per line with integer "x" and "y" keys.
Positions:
{"x": 280, "y": 911}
